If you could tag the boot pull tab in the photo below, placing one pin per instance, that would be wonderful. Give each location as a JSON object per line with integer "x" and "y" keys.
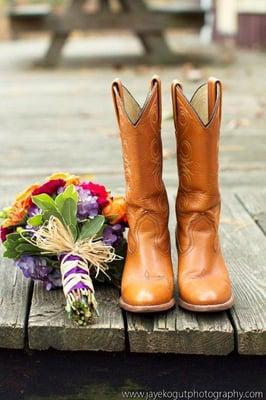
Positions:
{"x": 117, "y": 94}
{"x": 175, "y": 88}
{"x": 156, "y": 83}
{"x": 214, "y": 91}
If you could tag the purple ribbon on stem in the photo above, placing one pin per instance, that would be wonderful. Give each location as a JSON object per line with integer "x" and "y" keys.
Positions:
{"x": 78, "y": 288}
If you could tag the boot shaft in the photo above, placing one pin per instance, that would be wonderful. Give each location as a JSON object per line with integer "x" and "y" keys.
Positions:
{"x": 197, "y": 125}
{"x": 140, "y": 131}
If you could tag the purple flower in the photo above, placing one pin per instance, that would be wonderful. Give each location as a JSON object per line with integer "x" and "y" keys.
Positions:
{"x": 37, "y": 268}
{"x": 33, "y": 210}
{"x": 61, "y": 189}
{"x": 54, "y": 279}
{"x": 87, "y": 204}
{"x": 113, "y": 234}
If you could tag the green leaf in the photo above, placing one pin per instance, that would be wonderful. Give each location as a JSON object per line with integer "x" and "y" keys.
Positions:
{"x": 15, "y": 246}
{"x": 10, "y": 254}
{"x": 27, "y": 248}
{"x": 44, "y": 202}
{"x": 100, "y": 232}
{"x": 69, "y": 193}
{"x": 12, "y": 237}
{"x": 48, "y": 206}
{"x": 36, "y": 220}
{"x": 69, "y": 213}
{"x": 91, "y": 227}
{"x": 64, "y": 207}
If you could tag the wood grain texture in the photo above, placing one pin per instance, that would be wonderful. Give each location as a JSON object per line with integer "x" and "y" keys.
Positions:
{"x": 244, "y": 247}
{"x": 180, "y": 331}
{"x": 14, "y": 291}
{"x": 255, "y": 203}
{"x": 50, "y": 327}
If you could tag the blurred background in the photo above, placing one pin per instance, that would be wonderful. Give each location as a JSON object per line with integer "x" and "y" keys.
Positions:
{"x": 58, "y": 59}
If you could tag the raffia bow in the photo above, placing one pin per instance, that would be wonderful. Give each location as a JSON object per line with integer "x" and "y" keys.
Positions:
{"x": 55, "y": 238}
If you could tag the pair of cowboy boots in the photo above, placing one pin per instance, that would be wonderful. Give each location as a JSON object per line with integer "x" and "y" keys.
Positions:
{"x": 148, "y": 280}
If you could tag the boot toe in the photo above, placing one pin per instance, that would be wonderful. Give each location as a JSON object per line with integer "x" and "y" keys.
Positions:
{"x": 205, "y": 291}
{"x": 144, "y": 295}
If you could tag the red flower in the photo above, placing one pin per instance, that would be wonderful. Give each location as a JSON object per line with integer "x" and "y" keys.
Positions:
{"x": 4, "y": 232}
{"x": 49, "y": 187}
{"x": 97, "y": 190}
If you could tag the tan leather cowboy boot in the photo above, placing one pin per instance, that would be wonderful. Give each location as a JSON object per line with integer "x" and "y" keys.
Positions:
{"x": 203, "y": 280}
{"x": 147, "y": 282}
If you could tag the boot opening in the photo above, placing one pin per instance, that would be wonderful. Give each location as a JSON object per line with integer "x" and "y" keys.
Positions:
{"x": 132, "y": 108}
{"x": 199, "y": 102}
{"x": 204, "y": 100}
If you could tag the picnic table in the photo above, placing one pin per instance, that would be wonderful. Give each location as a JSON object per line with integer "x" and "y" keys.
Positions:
{"x": 148, "y": 24}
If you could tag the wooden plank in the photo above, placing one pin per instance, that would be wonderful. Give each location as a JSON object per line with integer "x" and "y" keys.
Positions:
{"x": 245, "y": 250}
{"x": 50, "y": 327}
{"x": 142, "y": 22}
{"x": 255, "y": 204}
{"x": 14, "y": 292}
{"x": 180, "y": 331}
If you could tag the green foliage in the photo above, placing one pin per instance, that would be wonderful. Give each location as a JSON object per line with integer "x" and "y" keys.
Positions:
{"x": 63, "y": 207}
{"x": 16, "y": 246}
{"x": 48, "y": 206}
{"x": 69, "y": 213}
{"x": 36, "y": 220}
{"x": 92, "y": 227}
{"x": 69, "y": 193}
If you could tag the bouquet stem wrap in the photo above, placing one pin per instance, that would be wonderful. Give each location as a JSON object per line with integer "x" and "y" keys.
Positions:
{"x": 78, "y": 288}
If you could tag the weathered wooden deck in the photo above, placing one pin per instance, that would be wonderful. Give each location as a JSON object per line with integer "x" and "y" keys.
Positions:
{"x": 63, "y": 120}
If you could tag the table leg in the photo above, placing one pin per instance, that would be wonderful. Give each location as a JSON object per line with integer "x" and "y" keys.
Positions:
{"x": 54, "y": 51}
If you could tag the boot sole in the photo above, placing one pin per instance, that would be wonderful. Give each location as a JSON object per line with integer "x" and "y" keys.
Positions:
{"x": 147, "y": 309}
{"x": 207, "y": 308}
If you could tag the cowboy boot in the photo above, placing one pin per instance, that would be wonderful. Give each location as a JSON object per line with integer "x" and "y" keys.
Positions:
{"x": 147, "y": 281}
{"x": 203, "y": 280}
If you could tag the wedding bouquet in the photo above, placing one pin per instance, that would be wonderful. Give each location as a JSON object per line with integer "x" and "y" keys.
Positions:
{"x": 67, "y": 232}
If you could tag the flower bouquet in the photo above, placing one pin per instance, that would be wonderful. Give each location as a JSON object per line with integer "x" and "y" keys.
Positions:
{"x": 67, "y": 233}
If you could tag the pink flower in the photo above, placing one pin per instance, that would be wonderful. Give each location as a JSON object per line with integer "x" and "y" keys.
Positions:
{"x": 97, "y": 190}
{"x": 49, "y": 187}
{"x": 4, "y": 232}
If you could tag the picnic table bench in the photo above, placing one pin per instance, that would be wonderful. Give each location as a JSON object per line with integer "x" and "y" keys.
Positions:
{"x": 148, "y": 24}
{"x": 33, "y": 318}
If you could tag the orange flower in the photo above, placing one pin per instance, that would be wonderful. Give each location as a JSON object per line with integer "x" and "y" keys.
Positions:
{"x": 19, "y": 209}
{"x": 69, "y": 179}
{"x": 25, "y": 196}
{"x": 116, "y": 210}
